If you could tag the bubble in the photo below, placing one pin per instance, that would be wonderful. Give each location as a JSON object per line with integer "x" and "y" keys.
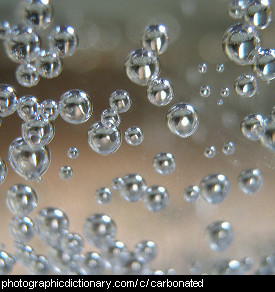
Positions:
{"x": 146, "y": 250}
{"x": 214, "y": 188}
{"x": 227, "y": 267}
{"x": 27, "y": 75}
{"x": 60, "y": 262}
{"x": 73, "y": 153}
{"x": 117, "y": 183}
{"x": 4, "y": 29}
{"x": 156, "y": 198}
{"x": 110, "y": 118}
{"x": 205, "y": 91}
{"x": 7, "y": 263}
{"x": 160, "y": 92}
{"x": 246, "y": 85}
{"x": 99, "y": 229}
{"x": 155, "y": 38}
{"x": 40, "y": 266}
{"x": 142, "y": 66}
{"x": 220, "y": 68}
{"x": 133, "y": 265}
{"x": 64, "y": 40}
{"x": 202, "y": 68}
{"x": 182, "y": 120}
{"x": 103, "y": 195}
{"x": 264, "y": 64}
{"x": 28, "y": 108}
{"x": 253, "y": 127}
{"x": 65, "y": 172}
{"x": 23, "y": 44}
{"x": 104, "y": 140}
{"x": 38, "y": 133}
{"x": 8, "y": 100}
{"x": 37, "y": 13}
{"x": 258, "y": 13}
{"x": 164, "y": 163}
{"x": 120, "y": 101}
{"x": 49, "y": 64}
{"x": 220, "y": 102}
{"x": 134, "y": 187}
{"x": 241, "y": 43}
{"x": 91, "y": 264}
{"x": 21, "y": 228}
{"x": 267, "y": 139}
{"x": 191, "y": 193}
{"x": 250, "y": 181}
{"x": 72, "y": 243}
{"x": 48, "y": 110}
{"x": 237, "y": 8}
{"x": 225, "y": 92}
{"x": 24, "y": 253}
{"x": 219, "y": 235}
{"x": 210, "y": 151}
{"x": 75, "y": 106}
{"x": 3, "y": 170}
{"x": 51, "y": 224}
{"x": 134, "y": 136}
{"x": 228, "y": 148}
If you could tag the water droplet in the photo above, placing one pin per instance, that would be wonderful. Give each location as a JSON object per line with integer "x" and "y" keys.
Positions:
{"x": 72, "y": 243}
{"x": 134, "y": 136}
{"x": 91, "y": 264}
{"x": 73, "y": 153}
{"x": 27, "y": 75}
{"x": 250, "y": 181}
{"x": 236, "y": 8}
{"x": 133, "y": 188}
{"x": 246, "y": 85}
{"x": 142, "y": 66}
{"x": 219, "y": 235}
{"x": 28, "y": 162}
{"x": 156, "y": 198}
{"x": 28, "y": 108}
{"x": 155, "y": 38}
{"x": 267, "y": 139}
{"x": 146, "y": 250}
{"x": 7, "y": 262}
{"x": 182, "y": 119}
{"x": 120, "y": 101}
{"x": 225, "y": 92}
{"x": 220, "y": 68}
{"x": 75, "y": 106}
{"x": 191, "y": 193}
{"x": 4, "y": 29}
{"x": 205, "y": 91}
{"x": 214, "y": 188}
{"x": 8, "y": 100}
{"x": 228, "y": 148}
{"x": 210, "y": 151}
{"x": 64, "y": 40}
{"x": 3, "y": 170}
{"x": 21, "y": 199}
{"x": 65, "y": 172}
{"x": 117, "y": 183}
{"x": 21, "y": 228}
{"x": 264, "y": 65}
{"x": 241, "y": 43}
{"x": 110, "y": 118}
{"x": 164, "y": 163}
{"x": 202, "y": 68}
{"x": 160, "y": 92}
{"x": 253, "y": 127}
{"x": 103, "y": 195}
{"x": 104, "y": 140}
{"x": 48, "y": 110}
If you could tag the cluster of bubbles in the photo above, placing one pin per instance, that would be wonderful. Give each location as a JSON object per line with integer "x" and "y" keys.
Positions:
{"x": 228, "y": 148}
{"x": 23, "y": 43}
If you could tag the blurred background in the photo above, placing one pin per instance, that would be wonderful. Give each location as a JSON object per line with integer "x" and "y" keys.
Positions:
{"x": 108, "y": 30}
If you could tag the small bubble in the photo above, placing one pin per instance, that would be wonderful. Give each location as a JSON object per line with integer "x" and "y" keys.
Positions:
{"x": 117, "y": 183}
{"x": 191, "y": 193}
{"x": 40, "y": 266}
{"x": 160, "y": 92}
{"x": 3, "y": 170}
{"x": 28, "y": 108}
{"x": 236, "y": 8}
{"x": 120, "y": 101}
{"x": 267, "y": 139}
{"x": 250, "y": 181}
{"x": 220, "y": 68}
{"x": 8, "y": 100}
{"x": 110, "y": 118}
{"x": 146, "y": 250}
{"x": 73, "y": 153}
{"x": 246, "y": 85}
{"x": 65, "y": 172}
{"x": 220, "y": 102}
{"x": 49, "y": 110}
{"x": 103, "y": 195}
{"x": 202, "y": 68}
{"x": 264, "y": 65}
{"x": 7, "y": 262}
{"x": 72, "y": 243}
{"x": 133, "y": 188}
{"x": 134, "y": 136}
{"x": 164, "y": 163}
{"x": 27, "y": 75}
{"x": 228, "y": 148}
{"x": 156, "y": 198}
{"x": 210, "y": 151}
{"x": 205, "y": 91}
{"x": 21, "y": 228}
{"x": 91, "y": 264}
{"x": 253, "y": 127}
{"x": 225, "y": 92}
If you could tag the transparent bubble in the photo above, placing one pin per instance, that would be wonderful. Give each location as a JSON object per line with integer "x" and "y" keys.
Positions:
{"x": 75, "y": 106}
{"x": 155, "y": 38}
{"x": 21, "y": 228}
{"x": 258, "y": 13}
{"x": 146, "y": 250}
{"x": 156, "y": 198}
{"x": 265, "y": 64}
{"x": 6, "y": 262}
{"x": 110, "y": 118}
{"x": 246, "y": 85}
{"x": 4, "y": 29}
{"x": 117, "y": 183}
{"x": 64, "y": 40}
{"x": 51, "y": 224}
{"x": 253, "y": 127}
{"x": 134, "y": 265}
{"x": 134, "y": 187}
{"x": 267, "y": 139}
{"x": 103, "y": 195}
{"x": 182, "y": 120}
{"x": 214, "y": 188}
{"x": 48, "y": 110}
{"x": 23, "y": 44}
{"x": 241, "y": 43}
{"x": 72, "y": 243}
{"x": 219, "y": 235}
{"x": 65, "y": 172}
{"x": 8, "y": 100}
{"x": 27, "y": 75}
{"x": 160, "y": 92}
{"x": 202, "y": 68}
{"x": 210, "y": 151}
{"x": 3, "y": 170}
{"x": 134, "y": 136}
{"x": 250, "y": 181}
{"x": 73, "y": 153}
{"x": 28, "y": 108}
{"x": 99, "y": 230}
{"x": 220, "y": 68}
{"x": 38, "y": 133}
{"x": 49, "y": 64}
{"x": 225, "y": 92}
{"x": 205, "y": 91}
{"x": 37, "y": 13}
{"x": 120, "y": 101}
{"x": 236, "y": 8}
{"x": 104, "y": 140}
{"x": 142, "y": 66}
{"x": 91, "y": 264}
{"x": 220, "y": 102}
{"x": 191, "y": 193}
{"x": 227, "y": 267}
{"x": 24, "y": 253}
{"x": 164, "y": 163}
{"x": 228, "y": 148}
{"x": 40, "y": 266}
